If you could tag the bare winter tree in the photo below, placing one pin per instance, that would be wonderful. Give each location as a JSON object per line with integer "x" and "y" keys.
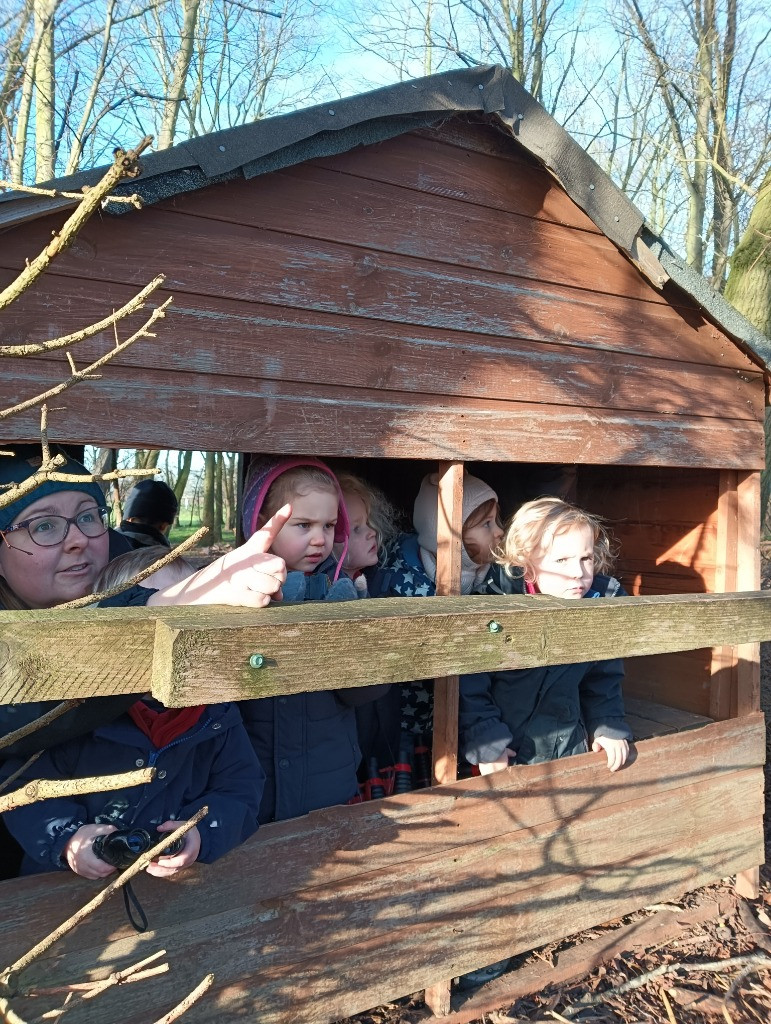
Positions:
{"x": 749, "y": 289}
{"x": 708, "y": 63}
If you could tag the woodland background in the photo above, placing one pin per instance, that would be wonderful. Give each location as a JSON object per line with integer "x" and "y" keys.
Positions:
{"x": 670, "y": 97}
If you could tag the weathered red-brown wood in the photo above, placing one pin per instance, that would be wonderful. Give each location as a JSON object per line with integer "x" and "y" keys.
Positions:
{"x": 745, "y": 695}
{"x": 392, "y": 359}
{"x": 409, "y": 893}
{"x": 313, "y": 202}
{"x": 214, "y": 412}
{"x": 665, "y": 522}
{"x": 448, "y": 584}
{"x": 436, "y": 162}
{"x": 748, "y": 578}
{"x": 444, "y": 746}
{"x": 723, "y": 680}
{"x": 577, "y": 961}
{"x": 240, "y": 262}
{"x": 679, "y": 680}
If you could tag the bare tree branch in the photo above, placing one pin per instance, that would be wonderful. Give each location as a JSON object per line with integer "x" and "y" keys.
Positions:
{"x": 54, "y": 789}
{"x": 188, "y": 1001}
{"x": 40, "y": 723}
{"x": 87, "y": 372}
{"x": 125, "y": 165}
{"x": 180, "y": 549}
{"x": 34, "y": 190}
{"x": 87, "y": 332}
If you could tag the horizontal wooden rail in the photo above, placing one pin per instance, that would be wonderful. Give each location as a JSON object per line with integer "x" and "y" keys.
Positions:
{"x": 192, "y": 655}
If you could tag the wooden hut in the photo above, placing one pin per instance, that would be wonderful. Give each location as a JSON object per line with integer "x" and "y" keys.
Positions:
{"x": 432, "y": 273}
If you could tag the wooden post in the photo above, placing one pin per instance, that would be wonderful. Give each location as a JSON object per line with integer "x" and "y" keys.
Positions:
{"x": 745, "y": 693}
{"x": 724, "y": 658}
{"x": 735, "y": 683}
{"x": 445, "y": 740}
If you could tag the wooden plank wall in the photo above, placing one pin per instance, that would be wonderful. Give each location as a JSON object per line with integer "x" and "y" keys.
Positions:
{"x": 433, "y": 296}
{"x": 324, "y": 916}
{"x": 679, "y": 533}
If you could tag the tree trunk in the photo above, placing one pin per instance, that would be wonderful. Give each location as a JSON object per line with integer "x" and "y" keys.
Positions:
{"x": 45, "y": 155}
{"x": 229, "y": 481}
{"x": 749, "y": 283}
{"x": 217, "y": 526}
{"x": 182, "y": 60}
{"x": 749, "y": 289}
{"x": 207, "y": 512}
{"x": 184, "y": 462}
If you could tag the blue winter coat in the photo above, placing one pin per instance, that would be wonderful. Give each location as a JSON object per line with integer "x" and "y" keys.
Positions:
{"x": 307, "y": 742}
{"x": 211, "y": 764}
{"x": 409, "y": 707}
{"x": 542, "y": 713}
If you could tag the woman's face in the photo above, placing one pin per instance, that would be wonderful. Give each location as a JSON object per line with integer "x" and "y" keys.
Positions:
{"x": 46, "y": 576}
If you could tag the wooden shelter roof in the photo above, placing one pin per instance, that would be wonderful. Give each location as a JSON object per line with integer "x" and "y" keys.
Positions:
{"x": 247, "y": 151}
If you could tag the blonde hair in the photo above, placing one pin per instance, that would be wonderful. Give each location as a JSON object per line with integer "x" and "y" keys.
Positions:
{"x": 294, "y": 482}
{"x": 381, "y": 514}
{"x": 533, "y": 527}
{"x": 125, "y": 567}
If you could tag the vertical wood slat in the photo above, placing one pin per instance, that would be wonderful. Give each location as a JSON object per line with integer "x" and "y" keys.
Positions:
{"x": 448, "y": 575}
{"x": 747, "y": 689}
{"x": 745, "y": 693}
{"x": 735, "y": 689}
{"x": 726, "y": 553}
{"x": 445, "y": 741}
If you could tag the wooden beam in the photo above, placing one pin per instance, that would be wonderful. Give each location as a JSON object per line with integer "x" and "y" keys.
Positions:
{"x": 745, "y": 693}
{"x": 723, "y": 671}
{"x": 200, "y": 654}
{"x": 399, "y": 893}
{"x": 448, "y": 578}
{"x": 748, "y": 579}
{"x": 577, "y": 961}
{"x": 444, "y": 746}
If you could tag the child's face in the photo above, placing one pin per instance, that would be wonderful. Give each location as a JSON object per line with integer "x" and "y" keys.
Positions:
{"x": 362, "y": 543}
{"x": 565, "y": 567}
{"x": 480, "y": 540}
{"x": 307, "y": 538}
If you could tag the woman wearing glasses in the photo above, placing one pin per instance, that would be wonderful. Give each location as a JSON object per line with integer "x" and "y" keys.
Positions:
{"x": 53, "y": 546}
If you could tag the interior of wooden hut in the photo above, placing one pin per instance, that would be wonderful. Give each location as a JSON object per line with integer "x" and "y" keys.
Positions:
{"x": 664, "y": 521}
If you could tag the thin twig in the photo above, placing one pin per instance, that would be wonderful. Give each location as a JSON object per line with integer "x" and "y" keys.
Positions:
{"x": 39, "y": 723}
{"x": 7, "y": 978}
{"x": 125, "y": 165}
{"x": 92, "y": 988}
{"x": 124, "y": 978}
{"x": 45, "y": 447}
{"x": 134, "y": 200}
{"x": 89, "y": 989}
{"x": 712, "y": 966}
{"x": 19, "y": 771}
{"x": 740, "y": 977}
{"x": 55, "y": 789}
{"x": 88, "y": 371}
{"x": 87, "y": 332}
{"x": 188, "y": 1001}
{"x": 9, "y": 1015}
{"x": 12, "y": 492}
{"x": 180, "y": 549}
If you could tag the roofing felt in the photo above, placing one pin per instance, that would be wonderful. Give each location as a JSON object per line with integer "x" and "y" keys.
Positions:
{"x": 250, "y": 150}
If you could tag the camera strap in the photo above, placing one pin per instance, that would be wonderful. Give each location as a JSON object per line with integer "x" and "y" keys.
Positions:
{"x": 131, "y": 903}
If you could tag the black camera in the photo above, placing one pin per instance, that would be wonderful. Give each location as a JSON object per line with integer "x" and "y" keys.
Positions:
{"x": 122, "y": 848}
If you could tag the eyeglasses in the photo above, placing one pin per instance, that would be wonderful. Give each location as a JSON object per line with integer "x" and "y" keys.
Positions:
{"x": 48, "y": 531}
